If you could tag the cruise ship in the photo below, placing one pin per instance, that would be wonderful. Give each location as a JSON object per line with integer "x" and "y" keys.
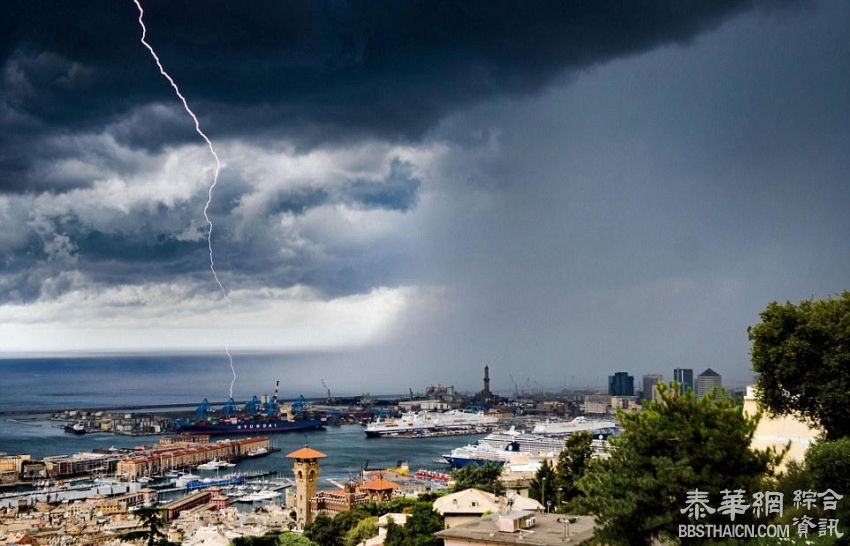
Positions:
{"x": 505, "y": 446}
{"x": 425, "y": 424}
{"x": 579, "y": 424}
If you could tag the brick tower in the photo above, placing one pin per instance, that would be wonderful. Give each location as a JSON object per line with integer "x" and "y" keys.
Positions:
{"x": 306, "y": 470}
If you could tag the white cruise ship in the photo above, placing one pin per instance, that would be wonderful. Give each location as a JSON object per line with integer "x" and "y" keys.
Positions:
{"x": 579, "y": 424}
{"x": 424, "y": 424}
{"x": 507, "y": 445}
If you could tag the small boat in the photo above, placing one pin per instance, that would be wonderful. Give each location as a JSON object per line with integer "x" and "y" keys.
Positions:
{"x": 215, "y": 464}
{"x": 259, "y": 496}
{"x": 184, "y": 480}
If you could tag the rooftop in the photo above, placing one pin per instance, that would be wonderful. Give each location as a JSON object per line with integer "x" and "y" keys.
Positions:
{"x": 475, "y": 501}
{"x": 306, "y": 452}
{"x": 548, "y": 529}
{"x": 379, "y": 485}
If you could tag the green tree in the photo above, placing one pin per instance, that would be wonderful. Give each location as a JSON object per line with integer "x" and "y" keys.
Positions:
{"x": 802, "y": 355}
{"x": 543, "y": 485}
{"x": 677, "y": 444}
{"x": 324, "y": 531}
{"x": 395, "y": 534}
{"x": 572, "y": 463}
{"x": 151, "y": 518}
{"x": 294, "y": 539}
{"x": 419, "y": 529}
{"x": 273, "y": 539}
{"x": 345, "y": 521}
{"x": 365, "y": 528}
{"x": 269, "y": 539}
{"x": 828, "y": 464}
{"x": 486, "y": 477}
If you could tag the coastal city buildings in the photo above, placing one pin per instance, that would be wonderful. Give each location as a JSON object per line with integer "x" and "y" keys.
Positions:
{"x": 707, "y": 381}
{"x": 202, "y": 510}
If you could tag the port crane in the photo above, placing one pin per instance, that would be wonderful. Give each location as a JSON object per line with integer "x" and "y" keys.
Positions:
{"x": 229, "y": 408}
{"x": 516, "y": 387}
{"x": 202, "y": 410}
{"x": 330, "y": 399}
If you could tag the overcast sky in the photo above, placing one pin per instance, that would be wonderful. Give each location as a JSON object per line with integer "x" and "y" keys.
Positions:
{"x": 560, "y": 190}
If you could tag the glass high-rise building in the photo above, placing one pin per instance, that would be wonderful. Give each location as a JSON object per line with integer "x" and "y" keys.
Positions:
{"x": 685, "y": 378}
{"x": 621, "y": 384}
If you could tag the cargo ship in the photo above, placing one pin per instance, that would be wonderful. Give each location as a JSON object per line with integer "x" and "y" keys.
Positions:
{"x": 250, "y": 426}
{"x": 252, "y": 418}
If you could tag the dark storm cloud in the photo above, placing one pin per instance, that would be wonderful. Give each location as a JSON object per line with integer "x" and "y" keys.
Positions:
{"x": 397, "y": 191}
{"x": 159, "y": 243}
{"x": 309, "y": 71}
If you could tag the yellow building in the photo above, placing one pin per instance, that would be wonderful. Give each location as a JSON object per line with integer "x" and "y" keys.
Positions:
{"x": 779, "y": 431}
{"x": 306, "y": 470}
{"x": 11, "y": 464}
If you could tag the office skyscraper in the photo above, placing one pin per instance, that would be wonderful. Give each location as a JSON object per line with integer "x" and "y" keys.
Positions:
{"x": 649, "y": 382}
{"x": 621, "y": 384}
{"x": 685, "y": 378}
{"x": 706, "y": 382}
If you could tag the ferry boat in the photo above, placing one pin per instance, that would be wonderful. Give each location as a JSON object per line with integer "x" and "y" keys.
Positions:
{"x": 424, "y": 424}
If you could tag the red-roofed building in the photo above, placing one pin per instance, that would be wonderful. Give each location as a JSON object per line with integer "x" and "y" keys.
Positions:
{"x": 379, "y": 490}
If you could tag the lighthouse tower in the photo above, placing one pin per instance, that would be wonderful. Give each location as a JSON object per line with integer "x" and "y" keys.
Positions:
{"x": 306, "y": 470}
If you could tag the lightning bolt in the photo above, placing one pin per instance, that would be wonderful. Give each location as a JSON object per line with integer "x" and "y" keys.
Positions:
{"x": 211, "y": 186}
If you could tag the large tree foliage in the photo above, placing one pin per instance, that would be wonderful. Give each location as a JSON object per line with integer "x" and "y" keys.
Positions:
{"x": 485, "y": 477}
{"x": 151, "y": 519}
{"x": 675, "y": 445}
{"x": 294, "y": 539}
{"x": 419, "y": 529}
{"x": 365, "y": 528}
{"x": 273, "y": 539}
{"x": 572, "y": 463}
{"x": 802, "y": 355}
{"x": 542, "y": 486}
{"x": 323, "y": 530}
{"x": 828, "y": 464}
